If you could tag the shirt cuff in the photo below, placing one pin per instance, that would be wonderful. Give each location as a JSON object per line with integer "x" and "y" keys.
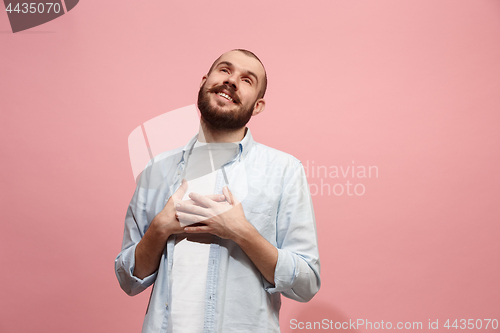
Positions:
{"x": 284, "y": 274}
{"x": 294, "y": 278}
{"x": 124, "y": 267}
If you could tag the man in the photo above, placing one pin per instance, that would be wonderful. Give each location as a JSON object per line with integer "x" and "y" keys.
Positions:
{"x": 221, "y": 246}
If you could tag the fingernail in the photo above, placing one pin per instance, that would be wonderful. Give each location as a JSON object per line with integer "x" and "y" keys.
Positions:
{"x": 177, "y": 205}
{"x": 222, "y": 197}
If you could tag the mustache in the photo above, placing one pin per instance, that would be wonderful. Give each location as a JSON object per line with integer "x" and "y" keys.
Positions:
{"x": 228, "y": 89}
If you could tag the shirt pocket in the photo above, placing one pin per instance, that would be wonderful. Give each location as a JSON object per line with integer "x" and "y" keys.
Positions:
{"x": 259, "y": 215}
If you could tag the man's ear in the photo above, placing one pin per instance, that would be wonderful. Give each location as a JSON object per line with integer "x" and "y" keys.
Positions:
{"x": 203, "y": 80}
{"x": 260, "y": 105}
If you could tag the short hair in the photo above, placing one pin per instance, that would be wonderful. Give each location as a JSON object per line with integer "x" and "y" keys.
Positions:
{"x": 250, "y": 54}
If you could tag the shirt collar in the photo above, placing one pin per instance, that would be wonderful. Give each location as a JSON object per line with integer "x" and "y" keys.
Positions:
{"x": 245, "y": 144}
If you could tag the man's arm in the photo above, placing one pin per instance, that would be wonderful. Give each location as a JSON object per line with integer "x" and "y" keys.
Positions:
{"x": 262, "y": 253}
{"x": 292, "y": 267}
{"x": 227, "y": 220}
{"x": 297, "y": 274}
{"x": 137, "y": 263}
{"x": 144, "y": 240}
{"x": 149, "y": 250}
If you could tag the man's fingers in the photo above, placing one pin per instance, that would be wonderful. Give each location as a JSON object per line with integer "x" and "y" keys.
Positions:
{"x": 191, "y": 208}
{"x": 229, "y": 196}
{"x": 216, "y": 197}
{"x": 197, "y": 230}
{"x": 201, "y": 199}
{"x": 187, "y": 219}
{"x": 182, "y": 189}
{"x": 225, "y": 190}
{"x": 179, "y": 194}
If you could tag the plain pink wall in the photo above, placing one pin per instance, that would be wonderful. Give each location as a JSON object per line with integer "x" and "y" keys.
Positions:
{"x": 411, "y": 87}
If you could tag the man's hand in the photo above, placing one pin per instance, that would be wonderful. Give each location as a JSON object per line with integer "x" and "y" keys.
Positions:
{"x": 166, "y": 222}
{"x": 227, "y": 220}
{"x": 149, "y": 249}
{"x": 224, "y": 219}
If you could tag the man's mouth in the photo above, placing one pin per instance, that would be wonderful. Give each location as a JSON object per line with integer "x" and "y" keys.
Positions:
{"x": 226, "y": 96}
{"x": 225, "y": 92}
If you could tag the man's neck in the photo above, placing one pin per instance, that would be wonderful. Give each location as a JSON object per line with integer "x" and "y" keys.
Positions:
{"x": 209, "y": 135}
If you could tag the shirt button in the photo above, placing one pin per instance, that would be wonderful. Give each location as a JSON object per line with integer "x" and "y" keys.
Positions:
{"x": 179, "y": 172}
{"x": 166, "y": 304}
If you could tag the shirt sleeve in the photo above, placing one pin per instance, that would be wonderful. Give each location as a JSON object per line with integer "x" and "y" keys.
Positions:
{"x": 136, "y": 224}
{"x": 297, "y": 273}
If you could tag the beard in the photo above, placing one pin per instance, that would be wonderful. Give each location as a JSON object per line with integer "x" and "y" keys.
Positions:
{"x": 221, "y": 120}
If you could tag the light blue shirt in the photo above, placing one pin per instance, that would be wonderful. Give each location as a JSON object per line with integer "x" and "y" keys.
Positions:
{"x": 274, "y": 193}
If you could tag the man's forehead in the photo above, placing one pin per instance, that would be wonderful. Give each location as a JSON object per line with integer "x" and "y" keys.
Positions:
{"x": 243, "y": 62}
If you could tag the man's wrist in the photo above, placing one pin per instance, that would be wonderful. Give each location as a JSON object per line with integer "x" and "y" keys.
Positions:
{"x": 158, "y": 232}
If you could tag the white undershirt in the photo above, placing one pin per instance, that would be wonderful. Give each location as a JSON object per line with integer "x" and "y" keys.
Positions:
{"x": 190, "y": 265}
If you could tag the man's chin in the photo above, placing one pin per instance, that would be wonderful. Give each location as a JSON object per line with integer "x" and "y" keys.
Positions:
{"x": 221, "y": 104}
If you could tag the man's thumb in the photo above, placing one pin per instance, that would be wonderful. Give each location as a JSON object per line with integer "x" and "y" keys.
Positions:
{"x": 182, "y": 189}
{"x": 229, "y": 196}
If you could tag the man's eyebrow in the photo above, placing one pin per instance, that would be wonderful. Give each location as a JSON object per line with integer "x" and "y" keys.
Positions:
{"x": 226, "y": 63}
{"x": 248, "y": 73}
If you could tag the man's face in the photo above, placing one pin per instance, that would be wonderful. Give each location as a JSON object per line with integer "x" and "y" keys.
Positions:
{"x": 228, "y": 95}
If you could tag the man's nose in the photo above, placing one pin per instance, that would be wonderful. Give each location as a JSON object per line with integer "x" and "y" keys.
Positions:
{"x": 231, "y": 80}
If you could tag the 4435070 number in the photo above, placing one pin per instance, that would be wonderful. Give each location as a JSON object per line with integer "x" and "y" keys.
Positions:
{"x": 34, "y": 7}
{"x": 471, "y": 324}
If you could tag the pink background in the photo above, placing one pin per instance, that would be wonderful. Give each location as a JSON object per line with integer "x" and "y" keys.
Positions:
{"x": 411, "y": 87}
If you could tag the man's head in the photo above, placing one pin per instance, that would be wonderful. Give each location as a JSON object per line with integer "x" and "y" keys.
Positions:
{"x": 252, "y": 55}
{"x": 232, "y": 91}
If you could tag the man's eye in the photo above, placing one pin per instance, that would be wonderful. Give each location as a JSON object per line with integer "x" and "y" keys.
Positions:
{"x": 224, "y": 70}
{"x": 247, "y": 81}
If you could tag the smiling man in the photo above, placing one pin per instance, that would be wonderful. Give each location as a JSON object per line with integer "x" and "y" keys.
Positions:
{"x": 224, "y": 225}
